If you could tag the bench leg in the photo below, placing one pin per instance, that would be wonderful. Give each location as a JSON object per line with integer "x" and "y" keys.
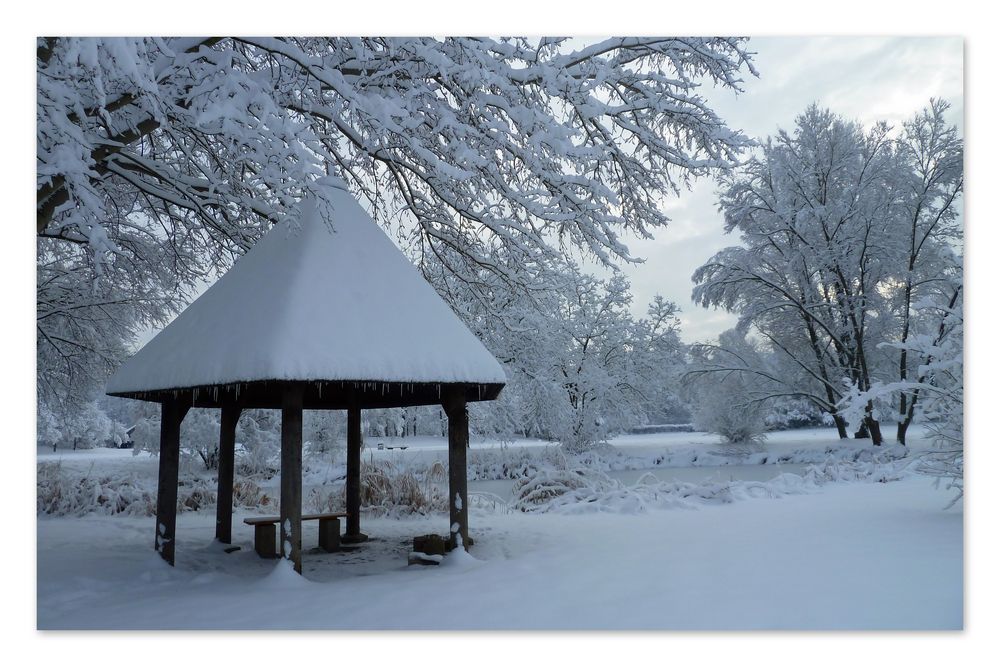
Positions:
{"x": 264, "y": 537}
{"x": 329, "y": 534}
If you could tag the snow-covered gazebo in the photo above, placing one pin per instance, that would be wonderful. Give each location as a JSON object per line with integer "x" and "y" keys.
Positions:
{"x": 324, "y": 313}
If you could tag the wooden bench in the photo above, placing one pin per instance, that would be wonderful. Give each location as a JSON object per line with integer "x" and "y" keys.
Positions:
{"x": 265, "y": 532}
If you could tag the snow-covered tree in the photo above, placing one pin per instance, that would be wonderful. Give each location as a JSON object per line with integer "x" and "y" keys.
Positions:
{"x": 931, "y": 178}
{"x": 146, "y": 430}
{"x": 841, "y": 229}
{"x": 258, "y": 434}
{"x": 323, "y": 430}
{"x": 159, "y": 160}
{"x": 579, "y": 366}
{"x": 940, "y": 377}
{"x": 47, "y": 431}
{"x": 85, "y": 427}
{"x": 200, "y": 436}
{"x": 936, "y": 388}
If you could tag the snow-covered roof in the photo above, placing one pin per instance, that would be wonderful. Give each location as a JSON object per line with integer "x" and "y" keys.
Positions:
{"x": 328, "y": 298}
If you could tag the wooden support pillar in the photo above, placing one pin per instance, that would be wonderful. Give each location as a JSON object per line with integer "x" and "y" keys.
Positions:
{"x": 290, "y": 546}
{"x": 458, "y": 484}
{"x": 171, "y": 415}
{"x": 227, "y": 463}
{"x": 352, "y": 490}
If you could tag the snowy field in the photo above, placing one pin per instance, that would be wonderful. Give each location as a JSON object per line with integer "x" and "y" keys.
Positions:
{"x": 789, "y": 554}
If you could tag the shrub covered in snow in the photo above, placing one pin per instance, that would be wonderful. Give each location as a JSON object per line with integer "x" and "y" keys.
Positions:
{"x": 579, "y": 490}
{"x": 542, "y": 487}
{"x": 388, "y": 489}
{"x": 62, "y": 494}
{"x": 793, "y": 412}
{"x": 723, "y": 410}
{"x": 246, "y": 493}
{"x": 724, "y": 392}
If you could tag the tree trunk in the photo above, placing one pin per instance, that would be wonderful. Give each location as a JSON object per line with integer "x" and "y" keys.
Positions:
{"x": 841, "y": 426}
{"x": 875, "y": 429}
{"x": 901, "y": 428}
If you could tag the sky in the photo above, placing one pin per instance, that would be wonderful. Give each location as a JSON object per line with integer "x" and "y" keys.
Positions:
{"x": 862, "y": 78}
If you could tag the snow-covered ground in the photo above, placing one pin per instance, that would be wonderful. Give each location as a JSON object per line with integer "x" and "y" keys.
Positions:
{"x": 844, "y": 555}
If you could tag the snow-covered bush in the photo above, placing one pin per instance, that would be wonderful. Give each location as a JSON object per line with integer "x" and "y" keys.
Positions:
{"x": 511, "y": 463}
{"x": 195, "y": 494}
{"x": 728, "y": 393}
{"x": 62, "y": 494}
{"x": 387, "y": 489}
{"x": 541, "y": 487}
{"x": 327, "y": 499}
{"x": 65, "y": 493}
{"x": 794, "y": 412}
{"x": 723, "y": 409}
{"x": 887, "y": 465}
{"x": 576, "y": 490}
{"x": 247, "y": 493}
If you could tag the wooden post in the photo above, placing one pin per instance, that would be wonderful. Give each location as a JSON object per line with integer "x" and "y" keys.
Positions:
{"x": 172, "y": 413}
{"x": 290, "y": 546}
{"x": 353, "y": 533}
{"x": 227, "y": 462}
{"x": 458, "y": 484}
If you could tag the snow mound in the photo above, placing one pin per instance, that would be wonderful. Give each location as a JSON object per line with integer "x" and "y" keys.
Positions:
{"x": 284, "y": 578}
{"x": 460, "y": 559}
